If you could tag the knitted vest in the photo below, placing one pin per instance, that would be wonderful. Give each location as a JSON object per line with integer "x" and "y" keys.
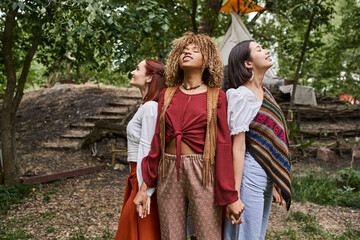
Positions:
{"x": 211, "y": 123}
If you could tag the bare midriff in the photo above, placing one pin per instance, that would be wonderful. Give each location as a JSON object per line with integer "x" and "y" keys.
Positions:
{"x": 185, "y": 149}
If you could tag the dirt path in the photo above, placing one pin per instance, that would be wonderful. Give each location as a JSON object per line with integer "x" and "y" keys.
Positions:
{"x": 91, "y": 205}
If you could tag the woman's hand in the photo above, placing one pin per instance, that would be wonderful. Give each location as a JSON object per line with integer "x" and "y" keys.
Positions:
{"x": 141, "y": 201}
{"x": 233, "y": 212}
{"x": 148, "y": 202}
{"x": 277, "y": 197}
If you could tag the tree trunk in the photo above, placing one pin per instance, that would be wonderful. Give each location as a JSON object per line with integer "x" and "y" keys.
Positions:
{"x": 210, "y": 14}
{"x": 296, "y": 78}
{"x": 268, "y": 6}
{"x": 12, "y": 98}
{"x": 253, "y": 20}
{"x": 68, "y": 72}
{"x": 8, "y": 145}
{"x": 193, "y": 16}
{"x": 1, "y": 167}
{"x": 11, "y": 172}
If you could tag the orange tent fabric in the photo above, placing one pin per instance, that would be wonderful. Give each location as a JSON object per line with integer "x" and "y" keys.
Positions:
{"x": 240, "y": 6}
{"x": 348, "y": 98}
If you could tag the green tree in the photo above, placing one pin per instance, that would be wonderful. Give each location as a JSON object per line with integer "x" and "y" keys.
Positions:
{"x": 336, "y": 68}
{"x": 331, "y": 57}
{"x": 86, "y": 34}
{"x": 301, "y": 34}
{"x": 29, "y": 25}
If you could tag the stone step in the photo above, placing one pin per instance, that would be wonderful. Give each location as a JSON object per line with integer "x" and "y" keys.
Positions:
{"x": 122, "y": 104}
{"x": 62, "y": 143}
{"x": 76, "y": 134}
{"x": 115, "y": 111}
{"x": 105, "y": 118}
{"x": 131, "y": 97}
{"x": 82, "y": 125}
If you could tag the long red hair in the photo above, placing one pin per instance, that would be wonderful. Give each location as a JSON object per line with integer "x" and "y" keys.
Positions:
{"x": 157, "y": 70}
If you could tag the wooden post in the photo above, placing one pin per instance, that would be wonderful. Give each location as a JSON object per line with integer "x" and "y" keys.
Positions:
{"x": 338, "y": 145}
{"x": 1, "y": 170}
{"x": 335, "y": 133}
{"x": 320, "y": 133}
{"x": 113, "y": 154}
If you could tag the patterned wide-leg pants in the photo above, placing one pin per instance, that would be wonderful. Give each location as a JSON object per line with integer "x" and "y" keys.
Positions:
{"x": 174, "y": 196}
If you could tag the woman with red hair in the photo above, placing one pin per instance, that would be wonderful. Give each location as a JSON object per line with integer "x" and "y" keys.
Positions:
{"x": 149, "y": 77}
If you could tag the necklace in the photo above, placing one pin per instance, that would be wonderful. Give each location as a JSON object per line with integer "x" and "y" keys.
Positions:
{"x": 190, "y": 88}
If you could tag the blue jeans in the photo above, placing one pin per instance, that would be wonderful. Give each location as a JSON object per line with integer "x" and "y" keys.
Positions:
{"x": 256, "y": 194}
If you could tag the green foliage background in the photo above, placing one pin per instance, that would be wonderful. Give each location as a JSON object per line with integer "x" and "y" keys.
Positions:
{"x": 331, "y": 63}
{"x": 102, "y": 41}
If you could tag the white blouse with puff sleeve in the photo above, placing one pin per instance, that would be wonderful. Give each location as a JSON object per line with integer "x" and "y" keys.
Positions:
{"x": 242, "y": 108}
{"x": 140, "y": 131}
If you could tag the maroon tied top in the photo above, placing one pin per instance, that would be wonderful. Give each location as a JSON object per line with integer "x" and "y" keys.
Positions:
{"x": 185, "y": 119}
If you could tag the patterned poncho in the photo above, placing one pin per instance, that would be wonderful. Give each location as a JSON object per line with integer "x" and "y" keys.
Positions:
{"x": 267, "y": 141}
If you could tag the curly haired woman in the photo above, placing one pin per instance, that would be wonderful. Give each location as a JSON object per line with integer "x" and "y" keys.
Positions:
{"x": 190, "y": 160}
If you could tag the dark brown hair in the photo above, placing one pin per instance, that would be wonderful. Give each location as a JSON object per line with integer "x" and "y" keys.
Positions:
{"x": 155, "y": 69}
{"x": 238, "y": 73}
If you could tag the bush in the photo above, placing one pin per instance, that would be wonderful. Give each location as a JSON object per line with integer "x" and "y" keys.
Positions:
{"x": 10, "y": 195}
{"x": 349, "y": 177}
{"x": 317, "y": 188}
{"x": 322, "y": 188}
{"x": 11, "y": 231}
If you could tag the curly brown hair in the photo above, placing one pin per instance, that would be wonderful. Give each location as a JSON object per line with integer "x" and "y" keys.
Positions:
{"x": 212, "y": 64}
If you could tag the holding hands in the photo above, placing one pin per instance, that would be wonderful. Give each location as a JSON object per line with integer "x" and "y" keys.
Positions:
{"x": 233, "y": 212}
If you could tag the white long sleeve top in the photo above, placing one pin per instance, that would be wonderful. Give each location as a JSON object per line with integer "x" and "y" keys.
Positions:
{"x": 140, "y": 131}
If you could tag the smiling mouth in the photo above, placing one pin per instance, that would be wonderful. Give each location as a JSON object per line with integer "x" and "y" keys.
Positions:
{"x": 268, "y": 58}
{"x": 186, "y": 58}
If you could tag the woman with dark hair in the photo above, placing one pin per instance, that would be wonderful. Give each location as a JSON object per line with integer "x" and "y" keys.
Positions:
{"x": 260, "y": 147}
{"x": 190, "y": 159}
{"x": 149, "y": 77}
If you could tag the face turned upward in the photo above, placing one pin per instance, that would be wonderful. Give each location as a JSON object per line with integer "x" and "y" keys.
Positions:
{"x": 260, "y": 58}
{"x": 139, "y": 78}
{"x": 191, "y": 58}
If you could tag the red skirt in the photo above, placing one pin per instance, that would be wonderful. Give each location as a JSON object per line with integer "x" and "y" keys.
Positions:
{"x": 131, "y": 226}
